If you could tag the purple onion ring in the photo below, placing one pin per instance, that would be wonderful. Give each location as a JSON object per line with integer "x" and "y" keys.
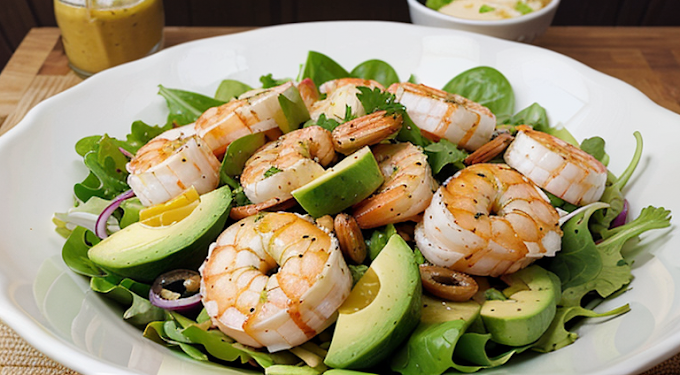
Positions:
{"x": 100, "y": 226}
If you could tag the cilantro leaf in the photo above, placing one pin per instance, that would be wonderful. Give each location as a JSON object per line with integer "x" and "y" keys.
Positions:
{"x": 377, "y": 100}
{"x": 523, "y": 8}
{"x": 486, "y": 9}
{"x": 272, "y": 171}
{"x": 326, "y": 123}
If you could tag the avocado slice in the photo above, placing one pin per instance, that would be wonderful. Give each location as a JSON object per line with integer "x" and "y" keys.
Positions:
{"x": 294, "y": 110}
{"x": 532, "y": 294}
{"x": 380, "y": 312}
{"x": 142, "y": 253}
{"x": 437, "y": 310}
{"x": 349, "y": 182}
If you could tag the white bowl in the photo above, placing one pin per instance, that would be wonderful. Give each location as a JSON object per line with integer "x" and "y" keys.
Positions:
{"x": 522, "y": 29}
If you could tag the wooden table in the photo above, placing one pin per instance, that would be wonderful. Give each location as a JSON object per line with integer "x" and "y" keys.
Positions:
{"x": 647, "y": 58}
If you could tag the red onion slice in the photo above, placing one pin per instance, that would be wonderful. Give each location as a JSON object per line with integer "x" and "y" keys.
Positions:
{"x": 182, "y": 304}
{"x": 100, "y": 226}
{"x": 622, "y": 217}
{"x": 126, "y": 153}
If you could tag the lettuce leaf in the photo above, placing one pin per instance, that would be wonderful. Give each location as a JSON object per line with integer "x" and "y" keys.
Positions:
{"x": 129, "y": 293}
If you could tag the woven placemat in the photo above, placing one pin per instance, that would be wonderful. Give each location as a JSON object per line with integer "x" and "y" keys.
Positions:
{"x": 17, "y": 357}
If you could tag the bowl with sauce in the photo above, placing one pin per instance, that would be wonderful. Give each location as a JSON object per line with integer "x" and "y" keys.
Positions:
{"x": 518, "y": 20}
{"x": 100, "y": 34}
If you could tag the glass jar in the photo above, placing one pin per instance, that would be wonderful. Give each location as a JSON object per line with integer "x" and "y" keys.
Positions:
{"x": 100, "y": 34}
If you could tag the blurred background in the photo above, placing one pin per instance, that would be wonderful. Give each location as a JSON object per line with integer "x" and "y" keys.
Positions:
{"x": 17, "y": 17}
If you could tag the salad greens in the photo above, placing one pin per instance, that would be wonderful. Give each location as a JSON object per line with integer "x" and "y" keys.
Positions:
{"x": 590, "y": 265}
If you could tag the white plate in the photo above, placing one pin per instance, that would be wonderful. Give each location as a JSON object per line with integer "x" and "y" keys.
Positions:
{"x": 54, "y": 310}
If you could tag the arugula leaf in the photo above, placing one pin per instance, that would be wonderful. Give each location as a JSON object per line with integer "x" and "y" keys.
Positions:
{"x": 131, "y": 208}
{"x": 230, "y": 89}
{"x": 443, "y": 153}
{"x": 321, "y": 68}
{"x": 612, "y": 192}
{"x": 436, "y": 4}
{"x": 268, "y": 81}
{"x": 486, "y": 86}
{"x": 557, "y": 336}
{"x": 584, "y": 266}
{"x": 376, "y": 70}
{"x": 140, "y": 134}
{"x": 186, "y": 106}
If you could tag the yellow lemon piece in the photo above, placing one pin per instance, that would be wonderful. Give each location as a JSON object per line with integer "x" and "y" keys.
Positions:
{"x": 171, "y": 211}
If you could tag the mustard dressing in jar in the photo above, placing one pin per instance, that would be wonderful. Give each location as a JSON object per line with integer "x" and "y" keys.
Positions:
{"x": 99, "y": 34}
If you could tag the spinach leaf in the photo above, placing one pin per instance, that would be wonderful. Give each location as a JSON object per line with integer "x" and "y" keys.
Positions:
{"x": 238, "y": 152}
{"x": 436, "y": 4}
{"x": 376, "y": 70}
{"x": 533, "y": 115}
{"x": 486, "y": 86}
{"x": 186, "y": 106}
{"x": 473, "y": 348}
{"x": 429, "y": 349}
{"x": 443, "y": 153}
{"x": 230, "y": 89}
{"x": 74, "y": 253}
{"x": 129, "y": 293}
{"x": 379, "y": 239}
{"x": 612, "y": 192}
{"x": 321, "y": 68}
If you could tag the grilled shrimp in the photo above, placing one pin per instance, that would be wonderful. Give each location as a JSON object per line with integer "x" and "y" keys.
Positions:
{"x": 558, "y": 167}
{"x": 364, "y": 131}
{"x": 255, "y": 111}
{"x": 290, "y": 306}
{"x": 407, "y": 189}
{"x": 341, "y": 94}
{"x": 164, "y": 168}
{"x": 488, "y": 220}
{"x": 440, "y": 114}
{"x": 281, "y": 166}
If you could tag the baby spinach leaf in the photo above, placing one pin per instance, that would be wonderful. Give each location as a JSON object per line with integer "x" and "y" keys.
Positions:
{"x": 74, "y": 253}
{"x": 230, "y": 89}
{"x": 379, "y": 239}
{"x": 376, "y": 70}
{"x": 486, "y": 86}
{"x": 321, "y": 68}
{"x": 612, "y": 192}
{"x": 473, "y": 348}
{"x": 594, "y": 146}
{"x": 533, "y": 115}
{"x": 429, "y": 349}
{"x": 557, "y": 336}
{"x": 238, "y": 152}
{"x": 436, "y": 4}
{"x": 186, "y": 106}
{"x": 127, "y": 292}
{"x": 443, "y": 153}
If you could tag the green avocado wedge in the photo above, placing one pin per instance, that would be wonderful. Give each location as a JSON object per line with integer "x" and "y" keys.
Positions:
{"x": 349, "y": 182}
{"x": 380, "y": 312}
{"x": 142, "y": 253}
{"x": 532, "y": 294}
